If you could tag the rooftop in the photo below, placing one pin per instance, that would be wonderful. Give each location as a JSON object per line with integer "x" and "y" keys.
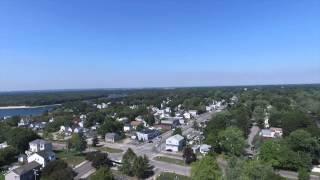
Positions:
{"x": 26, "y": 168}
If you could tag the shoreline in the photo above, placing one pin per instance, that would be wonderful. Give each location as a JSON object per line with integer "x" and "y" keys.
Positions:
{"x": 26, "y": 107}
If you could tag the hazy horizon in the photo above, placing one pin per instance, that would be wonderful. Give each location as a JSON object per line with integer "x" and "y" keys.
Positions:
{"x": 54, "y": 45}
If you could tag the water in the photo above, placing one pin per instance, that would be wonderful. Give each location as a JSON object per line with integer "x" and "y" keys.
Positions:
{"x": 33, "y": 111}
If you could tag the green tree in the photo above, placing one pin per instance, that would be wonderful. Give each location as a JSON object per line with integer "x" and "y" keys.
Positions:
{"x": 19, "y": 138}
{"x": 189, "y": 156}
{"x": 78, "y": 142}
{"x": 127, "y": 162}
{"x": 95, "y": 141}
{"x": 206, "y": 168}
{"x": 7, "y": 156}
{"x": 303, "y": 174}
{"x": 102, "y": 173}
{"x": 232, "y": 141}
{"x": 177, "y": 131}
{"x": 99, "y": 159}
{"x": 257, "y": 170}
{"x": 57, "y": 170}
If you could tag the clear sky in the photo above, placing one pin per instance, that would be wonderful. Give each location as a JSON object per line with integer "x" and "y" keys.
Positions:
{"x": 71, "y": 44}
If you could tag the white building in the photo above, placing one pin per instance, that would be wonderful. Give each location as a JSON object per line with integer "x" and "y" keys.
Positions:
{"x": 127, "y": 128}
{"x": 193, "y": 113}
{"x": 175, "y": 143}
{"x": 187, "y": 115}
{"x": 3, "y": 145}
{"x": 205, "y": 149}
{"x": 41, "y": 152}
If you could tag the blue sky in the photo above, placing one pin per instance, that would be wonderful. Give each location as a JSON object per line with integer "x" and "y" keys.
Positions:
{"x": 46, "y": 44}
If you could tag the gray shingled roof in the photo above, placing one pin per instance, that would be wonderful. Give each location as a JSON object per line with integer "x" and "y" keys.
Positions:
{"x": 39, "y": 141}
{"x": 26, "y": 168}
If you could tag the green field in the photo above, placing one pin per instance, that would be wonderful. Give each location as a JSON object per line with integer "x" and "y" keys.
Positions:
{"x": 170, "y": 160}
{"x": 72, "y": 158}
{"x": 172, "y": 176}
{"x": 1, "y": 177}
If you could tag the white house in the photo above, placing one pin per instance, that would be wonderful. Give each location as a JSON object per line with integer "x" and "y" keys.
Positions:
{"x": 41, "y": 152}
{"x": 205, "y": 149}
{"x": 187, "y": 115}
{"x": 175, "y": 143}
{"x": 42, "y": 157}
{"x": 147, "y": 134}
{"x": 3, "y": 145}
{"x": 193, "y": 113}
{"x": 25, "y": 172}
{"x": 271, "y": 133}
{"x": 127, "y": 127}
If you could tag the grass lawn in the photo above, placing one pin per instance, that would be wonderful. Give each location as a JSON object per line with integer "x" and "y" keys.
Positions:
{"x": 109, "y": 150}
{"x": 1, "y": 177}
{"x": 72, "y": 158}
{"x": 170, "y": 160}
{"x": 172, "y": 176}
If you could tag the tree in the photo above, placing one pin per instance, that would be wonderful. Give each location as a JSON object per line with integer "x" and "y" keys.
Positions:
{"x": 56, "y": 170}
{"x": 301, "y": 140}
{"x": 234, "y": 168}
{"x": 78, "y": 142}
{"x": 127, "y": 162}
{"x": 257, "y": 170}
{"x": 232, "y": 141}
{"x": 177, "y": 131}
{"x": 102, "y": 173}
{"x": 7, "y": 156}
{"x": 189, "y": 156}
{"x": 19, "y": 138}
{"x": 303, "y": 174}
{"x": 140, "y": 127}
{"x": 99, "y": 159}
{"x": 95, "y": 141}
{"x": 206, "y": 168}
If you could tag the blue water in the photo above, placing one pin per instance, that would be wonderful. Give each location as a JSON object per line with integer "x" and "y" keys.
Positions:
{"x": 25, "y": 111}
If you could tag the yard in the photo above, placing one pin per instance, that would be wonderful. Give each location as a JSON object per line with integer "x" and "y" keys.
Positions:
{"x": 1, "y": 176}
{"x": 72, "y": 158}
{"x": 109, "y": 150}
{"x": 172, "y": 176}
{"x": 170, "y": 160}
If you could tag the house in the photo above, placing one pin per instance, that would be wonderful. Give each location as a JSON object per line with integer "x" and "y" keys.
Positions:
{"x": 39, "y": 145}
{"x": 112, "y": 137}
{"x": 175, "y": 143}
{"x": 24, "y": 123}
{"x": 187, "y": 115}
{"x": 25, "y": 172}
{"x": 41, "y": 152}
{"x": 42, "y": 157}
{"x": 193, "y": 113}
{"x": 127, "y": 128}
{"x": 147, "y": 134}
{"x": 271, "y": 133}
{"x": 205, "y": 149}
{"x": 135, "y": 124}
{"x": 195, "y": 148}
{"x": 22, "y": 158}
{"x": 173, "y": 122}
{"x": 123, "y": 119}
{"x": 3, "y": 145}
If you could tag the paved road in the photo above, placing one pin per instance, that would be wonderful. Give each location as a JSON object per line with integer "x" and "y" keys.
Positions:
{"x": 84, "y": 170}
{"x": 253, "y": 132}
{"x": 294, "y": 175}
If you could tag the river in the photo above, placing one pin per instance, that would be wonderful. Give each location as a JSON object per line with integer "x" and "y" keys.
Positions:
{"x": 25, "y": 111}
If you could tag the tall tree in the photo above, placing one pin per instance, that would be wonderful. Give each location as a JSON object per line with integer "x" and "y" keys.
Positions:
{"x": 57, "y": 170}
{"x": 206, "y": 168}
{"x": 78, "y": 142}
{"x": 232, "y": 141}
{"x": 189, "y": 156}
{"x": 102, "y": 173}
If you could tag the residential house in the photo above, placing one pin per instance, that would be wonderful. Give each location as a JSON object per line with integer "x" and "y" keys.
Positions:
{"x": 111, "y": 137}
{"x": 187, "y": 115}
{"x": 193, "y": 113}
{"x": 25, "y": 172}
{"x": 41, "y": 152}
{"x": 147, "y": 134}
{"x": 123, "y": 119}
{"x": 173, "y": 122}
{"x": 127, "y": 128}
{"x": 24, "y": 123}
{"x": 3, "y": 145}
{"x": 271, "y": 133}
{"x": 175, "y": 143}
{"x": 135, "y": 124}
{"x": 205, "y": 149}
